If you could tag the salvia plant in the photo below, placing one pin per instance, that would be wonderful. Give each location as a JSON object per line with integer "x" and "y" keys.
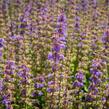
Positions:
{"x": 54, "y": 54}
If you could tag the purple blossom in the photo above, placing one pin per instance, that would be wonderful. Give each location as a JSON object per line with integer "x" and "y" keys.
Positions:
{"x": 23, "y": 82}
{"x": 77, "y": 23}
{"x": 1, "y": 85}
{"x": 39, "y": 85}
{"x": 54, "y": 68}
{"x": 62, "y": 28}
{"x": 96, "y": 63}
{"x": 105, "y": 37}
{"x": 89, "y": 98}
{"x": 40, "y": 93}
{"x": 2, "y": 42}
{"x": 62, "y": 39}
{"x": 78, "y": 84}
{"x": 23, "y": 92}
{"x": 1, "y": 54}
{"x": 79, "y": 76}
{"x": 92, "y": 87}
{"x": 84, "y": 5}
{"x": 103, "y": 99}
{"x": 56, "y": 48}
{"x": 49, "y": 90}
{"x": 41, "y": 79}
{"x": 6, "y": 100}
{"x": 33, "y": 94}
{"x": 55, "y": 57}
{"x": 51, "y": 82}
{"x": 50, "y": 75}
{"x": 96, "y": 72}
{"x": 50, "y": 56}
{"x": 95, "y": 80}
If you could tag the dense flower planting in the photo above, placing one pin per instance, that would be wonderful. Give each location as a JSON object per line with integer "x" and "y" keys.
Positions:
{"x": 54, "y": 54}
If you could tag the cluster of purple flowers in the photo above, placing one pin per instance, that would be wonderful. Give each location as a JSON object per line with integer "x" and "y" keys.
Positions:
{"x": 7, "y": 88}
{"x": 50, "y": 83}
{"x": 79, "y": 80}
{"x": 59, "y": 40}
{"x": 58, "y": 44}
{"x": 24, "y": 76}
{"x": 84, "y": 5}
{"x": 39, "y": 85}
{"x": 95, "y": 77}
{"x": 105, "y": 37}
{"x": 25, "y": 38}
{"x": 6, "y": 101}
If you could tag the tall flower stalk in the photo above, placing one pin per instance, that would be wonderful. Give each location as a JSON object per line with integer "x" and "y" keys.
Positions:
{"x": 58, "y": 43}
{"x": 8, "y": 87}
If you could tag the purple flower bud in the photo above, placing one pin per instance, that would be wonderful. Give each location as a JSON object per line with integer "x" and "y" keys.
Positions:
{"x": 96, "y": 63}
{"x": 92, "y": 87}
{"x": 89, "y": 98}
{"x": 14, "y": 37}
{"x": 6, "y": 100}
{"x": 23, "y": 92}
{"x": 1, "y": 84}
{"x": 77, "y": 18}
{"x": 105, "y": 37}
{"x": 62, "y": 45}
{"x": 50, "y": 56}
{"x": 23, "y": 81}
{"x": 49, "y": 90}
{"x": 95, "y": 80}
{"x": 1, "y": 42}
{"x": 56, "y": 48}
{"x": 40, "y": 93}
{"x": 61, "y": 57}
{"x": 79, "y": 76}
{"x": 95, "y": 91}
{"x": 98, "y": 73}
{"x": 41, "y": 79}
{"x": 0, "y": 54}
{"x": 84, "y": 4}
{"x": 54, "y": 68}
{"x": 62, "y": 39}
{"x": 39, "y": 85}
{"x": 77, "y": 25}
{"x": 34, "y": 94}
{"x": 95, "y": 72}
{"x": 50, "y": 75}
{"x": 51, "y": 82}
{"x": 103, "y": 99}
{"x": 61, "y": 18}
{"x": 78, "y": 84}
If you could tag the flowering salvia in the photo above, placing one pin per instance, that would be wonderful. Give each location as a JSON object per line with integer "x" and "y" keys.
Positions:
{"x": 58, "y": 43}
{"x": 54, "y": 54}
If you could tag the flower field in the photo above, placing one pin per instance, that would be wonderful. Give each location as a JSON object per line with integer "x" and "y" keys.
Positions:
{"x": 54, "y": 54}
